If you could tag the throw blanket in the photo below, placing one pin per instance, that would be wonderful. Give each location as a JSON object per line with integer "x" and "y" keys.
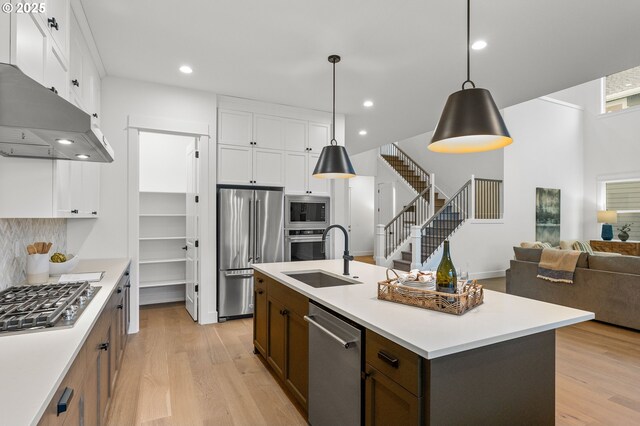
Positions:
{"x": 558, "y": 266}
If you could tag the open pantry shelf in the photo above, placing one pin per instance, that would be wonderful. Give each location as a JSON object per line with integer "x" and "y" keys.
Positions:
{"x": 150, "y": 261}
{"x": 149, "y": 284}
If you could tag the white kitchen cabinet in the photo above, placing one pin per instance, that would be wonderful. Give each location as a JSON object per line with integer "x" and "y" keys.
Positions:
{"x": 268, "y": 132}
{"x": 298, "y": 175}
{"x": 235, "y": 164}
{"x": 84, "y": 78}
{"x": 56, "y": 73}
{"x": 295, "y": 135}
{"x": 268, "y": 167}
{"x": 316, "y": 186}
{"x": 90, "y": 87}
{"x": 319, "y": 137}
{"x": 25, "y": 188}
{"x": 75, "y": 60}
{"x": 76, "y": 189}
{"x": 295, "y": 173}
{"x": 57, "y": 14}
{"x": 235, "y": 128}
{"x": 31, "y": 45}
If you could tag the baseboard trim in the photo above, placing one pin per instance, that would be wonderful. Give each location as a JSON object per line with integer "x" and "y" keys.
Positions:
{"x": 362, "y": 253}
{"x": 485, "y": 275}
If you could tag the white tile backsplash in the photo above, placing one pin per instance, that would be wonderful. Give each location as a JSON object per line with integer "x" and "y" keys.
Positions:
{"x": 16, "y": 234}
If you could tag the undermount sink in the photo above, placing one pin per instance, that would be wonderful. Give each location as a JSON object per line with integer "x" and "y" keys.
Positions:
{"x": 320, "y": 279}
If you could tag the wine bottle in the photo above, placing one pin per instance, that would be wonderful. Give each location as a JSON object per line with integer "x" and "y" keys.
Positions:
{"x": 446, "y": 279}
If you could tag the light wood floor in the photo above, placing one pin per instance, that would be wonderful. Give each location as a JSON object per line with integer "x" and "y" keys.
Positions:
{"x": 178, "y": 373}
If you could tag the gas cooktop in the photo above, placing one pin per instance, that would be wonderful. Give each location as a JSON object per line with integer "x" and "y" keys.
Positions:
{"x": 43, "y": 307}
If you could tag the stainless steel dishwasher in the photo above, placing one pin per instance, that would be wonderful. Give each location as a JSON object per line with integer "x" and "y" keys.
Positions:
{"x": 335, "y": 362}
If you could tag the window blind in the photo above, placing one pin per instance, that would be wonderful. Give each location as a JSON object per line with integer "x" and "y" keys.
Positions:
{"x": 625, "y": 198}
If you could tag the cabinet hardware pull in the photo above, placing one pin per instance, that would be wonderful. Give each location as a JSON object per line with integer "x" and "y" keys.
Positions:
{"x": 284, "y": 312}
{"x": 53, "y": 89}
{"x": 119, "y": 306}
{"x": 260, "y": 280}
{"x": 365, "y": 375}
{"x": 185, "y": 247}
{"x": 95, "y": 213}
{"x": 63, "y": 402}
{"x": 128, "y": 284}
{"x": 74, "y": 211}
{"x": 310, "y": 320}
{"x": 53, "y": 23}
{"x": 260, "y": 291}
{"x": 75, "y": 82}
{"x": 103, "y": 346}
{"x": 119, "y": 290}
{"x": 389, "y": 359}
{"x": 94, "y": 115}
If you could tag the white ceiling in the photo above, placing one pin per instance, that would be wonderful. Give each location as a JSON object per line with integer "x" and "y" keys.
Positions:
{"x": 405, "y": 55}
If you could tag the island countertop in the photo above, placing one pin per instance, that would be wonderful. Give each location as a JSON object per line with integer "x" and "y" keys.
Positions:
{"x": 428, "y": 333}
{"x": 33, "y": 365}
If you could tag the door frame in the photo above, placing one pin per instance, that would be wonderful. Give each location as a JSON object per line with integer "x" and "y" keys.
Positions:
{"x": 206, "y": 182}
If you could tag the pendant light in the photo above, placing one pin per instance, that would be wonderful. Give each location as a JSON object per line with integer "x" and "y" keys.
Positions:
{"x": 470, "y": 121}
{"x": 334, "y": 161}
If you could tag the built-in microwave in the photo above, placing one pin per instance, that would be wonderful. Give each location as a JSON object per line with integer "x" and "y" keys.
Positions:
{"x": 306, "y": 211}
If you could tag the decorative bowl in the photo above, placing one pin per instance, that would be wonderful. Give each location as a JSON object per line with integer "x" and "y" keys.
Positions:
{"x": 56, "y": 269}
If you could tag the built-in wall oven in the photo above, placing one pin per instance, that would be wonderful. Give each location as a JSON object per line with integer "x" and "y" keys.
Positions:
{"x": 304, "y": 244}
{"x": 306, "y": 212}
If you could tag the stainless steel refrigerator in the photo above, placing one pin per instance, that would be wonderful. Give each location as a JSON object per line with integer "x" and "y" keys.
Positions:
{"x": 250, "y": 230}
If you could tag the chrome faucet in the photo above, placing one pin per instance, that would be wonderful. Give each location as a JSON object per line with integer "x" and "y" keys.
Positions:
{"x": 346, "y": 256}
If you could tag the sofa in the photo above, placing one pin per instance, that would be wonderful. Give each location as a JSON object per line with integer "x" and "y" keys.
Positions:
{"x": 609, "y": 286}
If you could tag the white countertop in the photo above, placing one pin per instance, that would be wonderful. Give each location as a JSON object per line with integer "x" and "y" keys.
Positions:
{"x": 33, "y": 365}
{"x": 429, "y": 333}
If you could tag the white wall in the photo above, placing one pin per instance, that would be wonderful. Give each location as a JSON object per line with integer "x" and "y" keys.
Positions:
{"x": 362, "y": 196}
{"x": 612, "y": 146}
{"x": 452, "y": 170}
{"x": 160, "y": 167}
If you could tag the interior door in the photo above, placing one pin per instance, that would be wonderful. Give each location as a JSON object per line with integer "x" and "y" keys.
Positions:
{"x": 386, "y": 202}
{"x": 191, "y": 293}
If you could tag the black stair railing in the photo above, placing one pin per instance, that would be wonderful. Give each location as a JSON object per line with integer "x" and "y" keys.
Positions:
{"x": 416, "y": 176}
{"x": 445, "y": 221}
{"x": 399, "y": 228}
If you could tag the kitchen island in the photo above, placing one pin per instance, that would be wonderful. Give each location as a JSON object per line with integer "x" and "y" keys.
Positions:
{"x": 37, "y": 367}
{"x": 493, "y": 365}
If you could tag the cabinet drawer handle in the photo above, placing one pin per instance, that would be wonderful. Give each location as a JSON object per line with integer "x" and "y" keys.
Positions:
{"x": 53, "y": 89}
{"x": 75, "y": 82}
{"x": 95, "y": 213}
{"x": 103, "y": 346}
{"x": 389, "y": 359}
{"x": 284, "y": 312}
{"x": 65, "y": 399}
{"x": 260, "y": 280}
{"x": 74, "y": 211}
{"x": 119, "y": 306}
{"x": 119, "y": 290}
{"x": 94, "y": 115}
{"x": 260, "y": 291}
{"x": 53, "y": 23}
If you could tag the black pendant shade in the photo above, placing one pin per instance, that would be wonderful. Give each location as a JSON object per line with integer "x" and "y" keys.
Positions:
{"x": 334, "y": 163}
{"x": 470, "y": 122}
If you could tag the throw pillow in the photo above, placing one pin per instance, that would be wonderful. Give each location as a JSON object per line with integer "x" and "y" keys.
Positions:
{"x": 545, "y": 245}
{"x": 583, "y": 246}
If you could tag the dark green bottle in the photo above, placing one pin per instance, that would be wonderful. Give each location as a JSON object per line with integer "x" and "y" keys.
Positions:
{"x": 446, "y": 279}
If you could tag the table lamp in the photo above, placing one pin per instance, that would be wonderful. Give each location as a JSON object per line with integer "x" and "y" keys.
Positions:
{"x": 606, "y": 218}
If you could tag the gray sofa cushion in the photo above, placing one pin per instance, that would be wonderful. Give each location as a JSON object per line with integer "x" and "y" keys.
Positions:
{"x": 533, "y": 255}
{"x": 624, "y": 264}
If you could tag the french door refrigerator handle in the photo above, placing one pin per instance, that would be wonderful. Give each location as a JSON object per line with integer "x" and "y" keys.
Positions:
{"x": 255, "y": 241}
{"x": 338, "y": 339}
{"x": 251, "y": 242}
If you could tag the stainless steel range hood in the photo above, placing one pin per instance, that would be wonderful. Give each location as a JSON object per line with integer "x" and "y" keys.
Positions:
{"x": 34, "y": 121}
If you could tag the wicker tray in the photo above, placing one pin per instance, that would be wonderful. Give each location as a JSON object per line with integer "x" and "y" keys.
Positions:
{"x": 472, "y": 295}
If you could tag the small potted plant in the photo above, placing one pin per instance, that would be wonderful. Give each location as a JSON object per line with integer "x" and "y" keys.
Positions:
{"x": 624, "y": 231}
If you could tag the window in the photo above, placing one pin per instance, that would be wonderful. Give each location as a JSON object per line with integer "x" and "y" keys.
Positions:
{"x": 622, "y": 90}
{"x": 624, "y": 196}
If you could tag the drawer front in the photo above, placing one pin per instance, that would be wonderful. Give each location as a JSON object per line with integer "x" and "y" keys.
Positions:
{"x": 291, "y": 299}
{"x": 70, "y": 390}
{"x": 398, "y": 363}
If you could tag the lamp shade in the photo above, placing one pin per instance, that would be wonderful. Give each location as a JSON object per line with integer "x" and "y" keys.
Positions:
{"x": 607, "y": 216}
{"x": 470, "y": 122}
{"x": 334, "y": 163}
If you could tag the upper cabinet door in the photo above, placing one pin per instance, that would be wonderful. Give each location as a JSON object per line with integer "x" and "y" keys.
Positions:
{"x": 57, "y": 19}
{"x": 268, "y": 167}
{"x": 318, "y": 137}
{"x": 56, "y": 73}
{"x": 234, "y": 164}
{"x": 90, "y": 204}
{"x": 268, "y": 132}
{"x": 31, "y": 46}
{"x": 91, "y": 89}
{"x": 295, "y": 135}
{"x": 316, "y": 185}
{"x": 295, "y": 173}
{"x": 235, "y": 127}
{"x": 76, "y": 53}
{"x": 25, "y": 187}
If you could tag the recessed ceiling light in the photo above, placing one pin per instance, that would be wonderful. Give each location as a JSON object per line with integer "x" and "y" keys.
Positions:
{"x": 64, "y": 141}
{"x": 82, "y": 156}
{"x": 362, "y": 132}
{"x": 186, "y": 69}
{"x": 479, "y": 45}
{"x": 367, "y": 104}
